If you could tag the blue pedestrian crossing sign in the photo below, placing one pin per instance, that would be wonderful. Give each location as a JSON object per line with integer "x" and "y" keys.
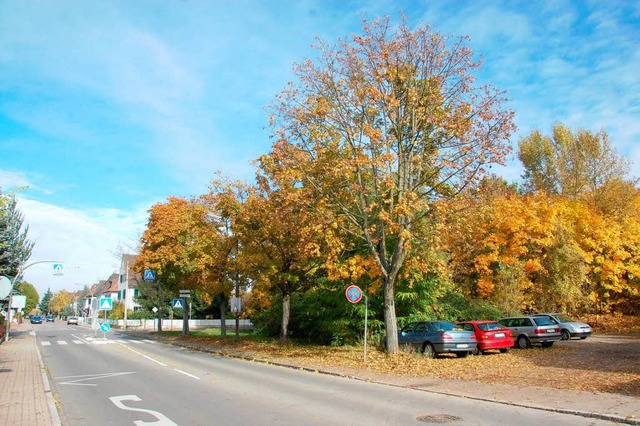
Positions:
{"x": 178, "y": 303}
{"x": 106, "y": 304}
{"x": 58, "y": 269}
{"x": 149, "y": 275}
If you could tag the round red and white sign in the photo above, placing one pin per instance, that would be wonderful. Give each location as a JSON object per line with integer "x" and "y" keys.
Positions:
{"x": 354, "y": 294}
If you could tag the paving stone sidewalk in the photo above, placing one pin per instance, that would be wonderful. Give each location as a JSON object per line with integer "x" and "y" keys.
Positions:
{"x": 25, "y": 395}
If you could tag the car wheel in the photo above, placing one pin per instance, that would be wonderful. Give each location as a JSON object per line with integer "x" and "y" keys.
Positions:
{"x": 462, "y": 354}
{"x": 504, "y": 351}
{"x": 477, "y": 351}
{"x": 523, "y": 342}
{"x": 583, "y": 337}
{"x": 428, "y": 350}
{"x": 565, "y": 335}
{"x": 547, "y": 344}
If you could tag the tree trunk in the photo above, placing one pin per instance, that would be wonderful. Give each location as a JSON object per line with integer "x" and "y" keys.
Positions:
{"x": 286, "y": 312}
{"x": 390, "y": 323}
{"x": 223, "y": 316}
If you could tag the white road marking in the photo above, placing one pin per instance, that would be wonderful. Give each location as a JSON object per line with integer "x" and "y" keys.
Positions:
{"x": 78, "y": 342}
{"x": 62, "y": 342}
{"x": 162, "y": 419}
{"x": 145, "y": 356}
{"x": 45, "y": 343}
{"x": 187, "y": 374}
{"x": 86, "y": 377}
{"x": 80, "y": 338}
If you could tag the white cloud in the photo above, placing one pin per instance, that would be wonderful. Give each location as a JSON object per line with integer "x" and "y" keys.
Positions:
{"x": 10, "y": 180}
{"x": 83, "y": 240}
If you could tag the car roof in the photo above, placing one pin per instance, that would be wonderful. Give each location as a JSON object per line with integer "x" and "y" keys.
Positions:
{"x": 477, "y": 322}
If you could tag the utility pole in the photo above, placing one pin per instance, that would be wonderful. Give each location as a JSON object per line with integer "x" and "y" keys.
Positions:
{"x": 126, "y": 293}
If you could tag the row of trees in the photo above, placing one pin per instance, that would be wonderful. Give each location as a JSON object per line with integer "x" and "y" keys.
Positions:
{"x": 15, "y": 249}
{"x": 377, "y": 176}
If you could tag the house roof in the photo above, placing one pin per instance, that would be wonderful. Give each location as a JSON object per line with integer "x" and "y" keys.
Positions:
{"x": 113, "y": 281}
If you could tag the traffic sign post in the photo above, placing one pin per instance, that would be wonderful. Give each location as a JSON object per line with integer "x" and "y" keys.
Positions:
{"x": 106, "y": 304}
{"x": 58, "y": 269}
{"x": 105, "y": 326}
{"x": 355, "y": 295}
{"x": 149, "y": 275}
{"x": 180, "y": 304}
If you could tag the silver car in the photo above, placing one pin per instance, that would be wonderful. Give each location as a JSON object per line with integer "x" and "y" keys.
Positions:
{"x": 569, "y": 327}
{"x": 532, "y": 330}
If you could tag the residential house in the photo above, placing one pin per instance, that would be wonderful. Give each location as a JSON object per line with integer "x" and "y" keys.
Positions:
{"x": 128, "y": 282}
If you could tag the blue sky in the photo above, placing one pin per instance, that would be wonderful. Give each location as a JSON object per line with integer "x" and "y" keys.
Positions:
{"x": 108, "y": 107}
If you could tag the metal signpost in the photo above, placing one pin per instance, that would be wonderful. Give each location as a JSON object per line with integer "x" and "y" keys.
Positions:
{"x": 185, "y": 294}
{"x": 106, "y": 304}
{"x": 355, "y": 295}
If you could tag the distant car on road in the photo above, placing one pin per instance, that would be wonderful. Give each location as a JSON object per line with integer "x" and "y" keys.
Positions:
{"x": 490, "y": 335}
{"x": 569, "y": 327}
{"x": 435, "y": 337}
{"x": 72, "y": 320}
{"x": 36, "y": 319}
{"x": 532, "y": 330}
{"x": 51, "y": 318}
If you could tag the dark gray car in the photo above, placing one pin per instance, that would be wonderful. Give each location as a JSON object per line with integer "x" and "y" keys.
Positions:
{"x": 532, "y": 330}
{"x": 435, "y": 337}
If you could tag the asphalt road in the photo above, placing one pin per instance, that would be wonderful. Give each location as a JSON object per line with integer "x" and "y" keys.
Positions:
{"x": 119, "y": 380}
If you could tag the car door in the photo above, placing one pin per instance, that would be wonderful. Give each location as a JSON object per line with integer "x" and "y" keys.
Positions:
{"x": 517, "y": 326}
{"x": 421, "y": 332}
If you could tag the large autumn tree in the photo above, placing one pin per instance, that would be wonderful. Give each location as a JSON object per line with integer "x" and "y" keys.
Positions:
{"x": 578, "y": 164}
{"x": 177, "y": 245}
{"x": 279, "y": 236}
{"x": 381, "y": 126}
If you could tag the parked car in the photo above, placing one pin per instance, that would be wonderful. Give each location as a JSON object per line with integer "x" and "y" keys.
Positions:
{"x": 490, "y": 336}
{"x": 568, "y": 327}
{"x": 72, "y": 320}
{"x": 51, "y": 318}
{"x": 36, "y": 319}
{"x": 532, "y": 330}
{"x": 436, "y": 337}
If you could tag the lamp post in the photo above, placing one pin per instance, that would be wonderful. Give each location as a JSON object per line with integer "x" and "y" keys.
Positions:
{"x": 126, "y": 295}
{"x": 21, "y": 270}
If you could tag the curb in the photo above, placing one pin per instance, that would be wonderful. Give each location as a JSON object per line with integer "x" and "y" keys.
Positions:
{"x": 53, "y": 409}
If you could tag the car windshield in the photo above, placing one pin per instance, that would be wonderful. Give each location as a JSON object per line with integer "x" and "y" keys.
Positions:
{"x": 564, "y": 318}
{"x": 490, "y": 326}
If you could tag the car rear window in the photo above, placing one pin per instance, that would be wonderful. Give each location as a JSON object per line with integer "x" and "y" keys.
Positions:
{"x": 544, "y": 321}
{"x": 490, "y": 326}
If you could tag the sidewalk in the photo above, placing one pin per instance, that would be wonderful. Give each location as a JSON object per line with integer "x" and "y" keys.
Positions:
{"x": 25, "y": 395}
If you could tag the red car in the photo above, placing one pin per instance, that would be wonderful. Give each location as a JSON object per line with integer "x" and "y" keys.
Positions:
{"x": 490, "y": 335}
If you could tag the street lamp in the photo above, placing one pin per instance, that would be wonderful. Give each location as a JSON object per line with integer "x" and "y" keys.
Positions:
{"x": 21, "y": 270}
